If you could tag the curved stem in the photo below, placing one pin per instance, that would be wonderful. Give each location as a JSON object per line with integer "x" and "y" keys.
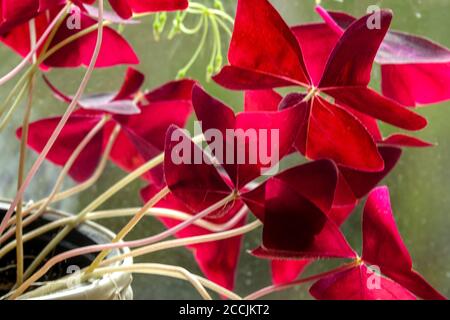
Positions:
{"x": 275, "y": 288}
{"x": 22, "y": 159}
{"x": 5, "y": 120}
{"x": 73, "y": 157}
{"x": 44, "y": 55}
{"x": 170, "y": 244}
{"x": 193, "y": 30}
{"x": 112, "y": 191}
{"x": 129, "y": 226}
{"x": 60, "y": 125}
{"x": 170, "y": 213}
{"x": 94, "y": 205}
{"x": 197, "y": 52}
{"x": 143, "y": 268}
{"x": 174, "y": 272}
{"x": 33, "y": 51}
{"x": 224, "y": 27}
{"x": 69, "y": 192}
{"x": 195, "y": 7}
{"x": 131, "y": 244}
{"x": 159, "y": 212}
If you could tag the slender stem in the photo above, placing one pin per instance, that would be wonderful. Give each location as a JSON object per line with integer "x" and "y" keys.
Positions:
{"x": 96, "y": 203}
{"x": 143, "y": 268}
{"x": 224, "y": 27}
{"x": 33, "y": 51}
{"x": 200, "y": 7}
{"x": 159, "y": 212}
{"x": 129, "y": 226}
{"x": 22, "y": 160}
{"x": 109, "y": 193}
{"x": 44, "y": 55}
{"x": 170, "y": 244}
{"x": 69, "y": 192}
{"x": 193, "y": 30}
{"x": 275, "y": 288}
{"x": 60, "y": 125}
{"x": 20, "y": 173}
{"x": 170, "y": 213}
{"x": 131, "y": 244}
{"x": 197, "y": 52}
{"x": 18, "y": 86}
{"x": 15, "y": 104}
{"x": 74, "y": 37}
{"x": 171, "y": 271}
{"x": 73, "y": 157}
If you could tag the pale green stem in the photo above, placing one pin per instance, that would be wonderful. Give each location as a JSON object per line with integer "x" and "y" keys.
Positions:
{"x": 275, "y": 288}
{"x": 157, "y": 212}
{"x": 183, "y": 71}
{"x": 147, "y": 268}
{"x": 130, "y": 226}
{"x": 132, "y": 244}
{"x": 92, "y": 206}
{"x": 224, "y": 27}
{"x": 170, "y": 244}
{"x": 20, "y": 173}
{"x": 66, "y": 169}
{"x": 193, "y": 30}
{"x": 22, "y": 160}
{"x": 71, "y": 191}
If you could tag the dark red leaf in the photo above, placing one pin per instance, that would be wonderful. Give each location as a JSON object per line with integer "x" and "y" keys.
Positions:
{"x": 384, "y": 247}
{"x": 333, "y": 133}
{"x": 246, "y": 134}
{"x": 77, "y": 127}
{"x": 217, "y": 259}
{"x": 377, "y": 106}
{"x": 295, "y": 228}
{"x": 362, "y": 182}
{"x": 358, "y": 283}
{"x": 350, "y": 67}
{"x": 263, "y": 44}
{"x": 198, "y": 185}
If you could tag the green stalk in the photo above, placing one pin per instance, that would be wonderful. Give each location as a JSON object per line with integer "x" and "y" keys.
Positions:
{"x": 129, "y": 226}
{"x": 184, "y": 70}
{"x": 20, "y": 177}
{"x": 92, "y": 206}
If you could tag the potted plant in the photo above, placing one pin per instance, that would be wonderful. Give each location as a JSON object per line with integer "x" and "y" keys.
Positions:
{"x": 294, "y": 164}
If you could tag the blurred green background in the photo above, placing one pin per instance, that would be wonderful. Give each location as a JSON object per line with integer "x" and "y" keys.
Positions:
{"x": 419, "y": 185}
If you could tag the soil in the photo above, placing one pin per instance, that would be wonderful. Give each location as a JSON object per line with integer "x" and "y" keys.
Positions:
{"x": 32, "y": 248}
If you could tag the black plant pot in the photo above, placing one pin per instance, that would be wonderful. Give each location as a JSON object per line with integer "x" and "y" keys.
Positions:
{"x": 109, "y": 287}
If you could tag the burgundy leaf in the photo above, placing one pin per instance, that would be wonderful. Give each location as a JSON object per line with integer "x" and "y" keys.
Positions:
{"x": 362, "y": 182}
{"x": 384, "y": 247}
{"x": 295, "y": 228}
{"x": 246, "y": 134}
{"x": 217, "y": 259}
{"x": 262, "y": 47}
{"x": 358, "y": 283}
{"x": 333, "y": 133}
{"x": 261, "y": 100}
{"x": 350, "y": 67}
{"x": 377, "y": 106}
{"x": 77, "y": 127}
{"x": 197, "y": 185}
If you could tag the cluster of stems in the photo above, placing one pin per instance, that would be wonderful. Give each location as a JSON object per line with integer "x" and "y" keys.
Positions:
{"x": 24, "y": 215}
